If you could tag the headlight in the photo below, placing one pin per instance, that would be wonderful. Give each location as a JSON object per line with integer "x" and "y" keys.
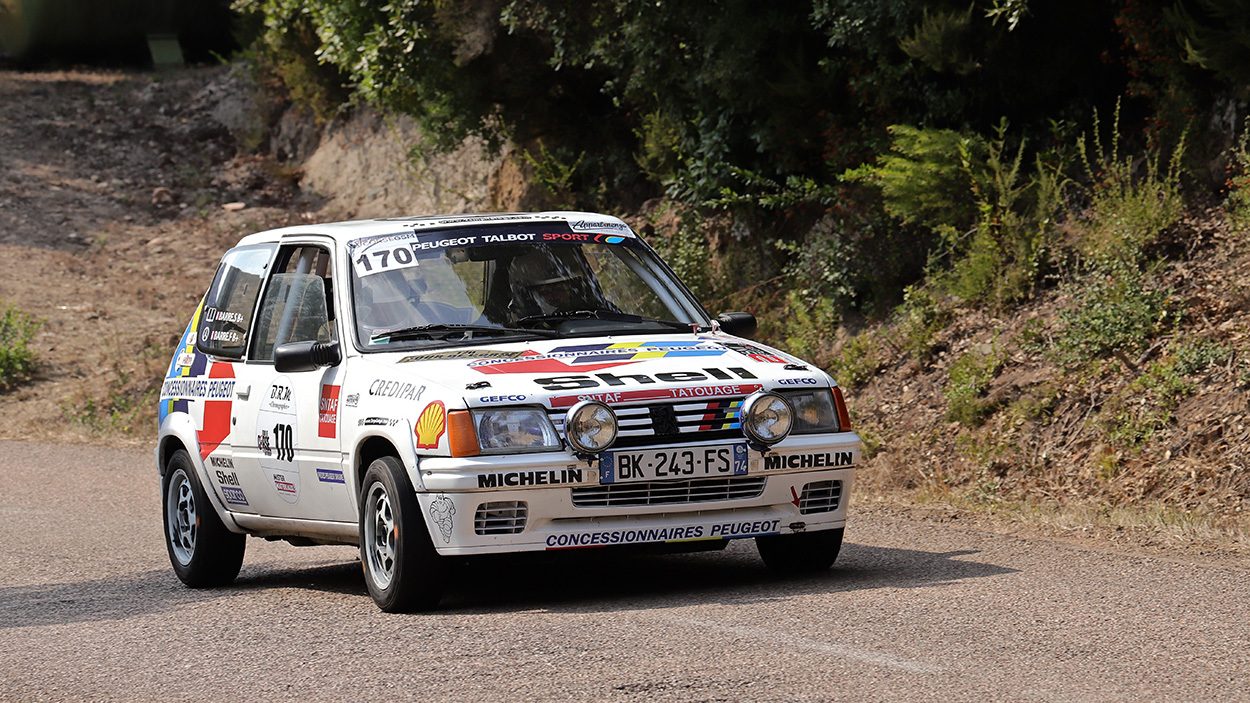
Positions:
{"x": 590, "y": 426}
{"x": 514, "y": 430}
{"x": 814, "y": 411}
{"x": 766, "y": 417}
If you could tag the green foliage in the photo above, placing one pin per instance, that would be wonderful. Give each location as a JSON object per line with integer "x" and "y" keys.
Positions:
{"x": 921, "y": 316}
{"x": 1116, "y": 310}
{"x": 923, "y": 178}
{"x": 686, "y": 251}
{"x": 1216, "y": 36}
{"x": 1145, "y": 406}
{"x": 1197, "y": 356}
{"x": 1237, "y": 204}
{"x": 970, "y": 378}
{"x": 554, "y": 172}
{"x": 121, "y": 411}
{"x": 943, "y": 42}
{"x": 17, "y": 359}
{"x": 859, "y": 361}
{"x": 808, "y": 327}
{"x": 659, "y": 153}
{"x": 1132, "y": 200}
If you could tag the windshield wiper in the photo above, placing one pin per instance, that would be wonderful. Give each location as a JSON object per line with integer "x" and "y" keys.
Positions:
{"x": 443, "y": 331}
{"x": 609, "y": 315}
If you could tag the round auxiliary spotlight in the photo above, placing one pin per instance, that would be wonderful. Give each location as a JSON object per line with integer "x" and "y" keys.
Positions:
{"x": 766, "y": 418}
{"x": 590, "y": 427}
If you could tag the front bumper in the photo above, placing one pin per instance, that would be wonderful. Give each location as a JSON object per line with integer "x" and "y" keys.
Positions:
{"x": 461, "y": 496}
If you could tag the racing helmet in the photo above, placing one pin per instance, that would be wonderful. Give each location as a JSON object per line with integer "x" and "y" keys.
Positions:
{"x": 549, "y": 281}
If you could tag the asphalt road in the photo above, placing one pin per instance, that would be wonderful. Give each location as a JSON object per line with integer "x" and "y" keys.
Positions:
{"x": 90, "y": 609}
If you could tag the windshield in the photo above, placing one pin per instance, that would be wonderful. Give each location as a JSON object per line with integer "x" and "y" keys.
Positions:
{"x": 522, "y": 281}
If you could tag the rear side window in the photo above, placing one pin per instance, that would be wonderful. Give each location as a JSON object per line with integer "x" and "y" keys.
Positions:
{"x": 231, "y": 300}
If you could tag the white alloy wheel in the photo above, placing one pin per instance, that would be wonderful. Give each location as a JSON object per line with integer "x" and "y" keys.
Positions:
{"x": 380, "y": 534}
{"x": 181, "y": 517}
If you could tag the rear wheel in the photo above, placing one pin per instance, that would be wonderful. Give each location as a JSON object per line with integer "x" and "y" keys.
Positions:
{"x": 202, "y": 551}
{"x": 802, "y": 552}
{"x": 402, "y": 571}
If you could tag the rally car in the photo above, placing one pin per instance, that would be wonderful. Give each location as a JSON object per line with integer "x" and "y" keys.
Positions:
{"x": 430, "y": 387}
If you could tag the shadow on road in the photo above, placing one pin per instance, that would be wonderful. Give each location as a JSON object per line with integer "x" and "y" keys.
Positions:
{"x": 602, "y": 581}
{"x": 576, "y": 581}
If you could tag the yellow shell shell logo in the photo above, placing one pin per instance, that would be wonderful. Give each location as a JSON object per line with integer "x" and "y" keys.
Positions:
{"x": 431, "y": 425}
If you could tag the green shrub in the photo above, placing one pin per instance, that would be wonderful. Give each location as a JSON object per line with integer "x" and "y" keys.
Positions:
{"x": 17, "y": 359}
{"x": 1015, "y": 225}
{"x": 1116, "y": 310}
{"x": 1132, "y": 200}
{"x": 970, "y": 378}
{"x": 859, "y": 361}
{"x": 809, "y": 327}
{"x": 1237, "y": 204}
{"x": 921, "y": 316}
{"x": 923, "y": 178}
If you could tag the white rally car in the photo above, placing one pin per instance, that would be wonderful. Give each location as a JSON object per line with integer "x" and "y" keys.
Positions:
{"x": 457, "y": 385}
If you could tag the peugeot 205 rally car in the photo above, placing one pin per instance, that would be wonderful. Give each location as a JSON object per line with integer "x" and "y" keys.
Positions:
{"x": 426, "y": 387}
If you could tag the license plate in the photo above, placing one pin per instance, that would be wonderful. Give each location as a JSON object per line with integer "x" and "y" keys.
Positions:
{"x": 676, "y": 463}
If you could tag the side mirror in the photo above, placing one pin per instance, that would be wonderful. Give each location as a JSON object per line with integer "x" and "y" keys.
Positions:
{"x": 741, "y": 324}
{"x": 305, "y": 356}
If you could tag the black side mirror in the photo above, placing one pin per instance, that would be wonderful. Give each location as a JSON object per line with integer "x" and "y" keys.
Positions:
{"x": 305, "y": 356}
{"x": 740, "y": 324}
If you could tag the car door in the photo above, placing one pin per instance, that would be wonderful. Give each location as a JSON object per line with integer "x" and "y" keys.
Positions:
{"x": 286, "y": 430}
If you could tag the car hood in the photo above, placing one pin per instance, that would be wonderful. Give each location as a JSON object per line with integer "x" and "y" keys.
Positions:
{"x": 618, "y": 369}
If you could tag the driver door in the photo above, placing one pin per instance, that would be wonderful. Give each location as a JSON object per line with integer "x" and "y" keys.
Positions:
{"x": 287, "y": 434}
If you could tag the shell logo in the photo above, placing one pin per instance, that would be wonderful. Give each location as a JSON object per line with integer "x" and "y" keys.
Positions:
{"x": 431, "y": 425}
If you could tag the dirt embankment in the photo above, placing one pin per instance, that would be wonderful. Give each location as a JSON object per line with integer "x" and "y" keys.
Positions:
{"x": 119, "y": 192}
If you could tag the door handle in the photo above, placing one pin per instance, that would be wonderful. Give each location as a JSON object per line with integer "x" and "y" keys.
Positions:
{"x": 243, "y": 392}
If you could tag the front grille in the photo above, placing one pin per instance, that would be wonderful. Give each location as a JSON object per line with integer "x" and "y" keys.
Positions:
{"x": 700, "y": 490}
{"x": 505, "y": 517}
{"x": 820, "y": 497}
{"x": 669, "y": 423}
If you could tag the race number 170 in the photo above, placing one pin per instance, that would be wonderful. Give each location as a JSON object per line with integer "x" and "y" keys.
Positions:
{"x": 387, "y": 259}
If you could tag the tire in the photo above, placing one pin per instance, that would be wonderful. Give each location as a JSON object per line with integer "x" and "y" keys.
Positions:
{"x": 801, "y": 553}
{"x": 402, "y": 571}
{"x": 202, "y": 551}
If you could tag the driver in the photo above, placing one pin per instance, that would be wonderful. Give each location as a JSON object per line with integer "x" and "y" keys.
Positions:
{"x": 540, "y": 280}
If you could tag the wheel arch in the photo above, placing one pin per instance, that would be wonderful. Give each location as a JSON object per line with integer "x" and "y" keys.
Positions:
{"x": 396, "y": 443}
{"x": 178, "y": 432}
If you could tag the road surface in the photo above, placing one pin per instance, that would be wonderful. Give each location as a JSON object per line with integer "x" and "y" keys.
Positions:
{"x": 90, "y": 609}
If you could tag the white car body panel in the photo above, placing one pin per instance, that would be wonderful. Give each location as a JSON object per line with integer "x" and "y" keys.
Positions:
{"x": 305, "y": 481}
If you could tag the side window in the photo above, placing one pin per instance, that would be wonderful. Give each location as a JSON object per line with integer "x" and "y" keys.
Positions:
{"x": 298, "y": 304}
{"x": 228, "y": 307}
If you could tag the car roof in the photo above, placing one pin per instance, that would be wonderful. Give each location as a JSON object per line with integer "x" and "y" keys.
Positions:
{"x": 343, "y": 232}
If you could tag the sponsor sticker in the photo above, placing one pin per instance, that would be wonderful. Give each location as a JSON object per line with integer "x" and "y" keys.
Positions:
{"x": 328, "y": 412}
{"x": 233, "y": 495}
{"x": 502, "y": 398}
{"x": 566, "y": 401}
{"x": 431, "y": 425}
{"x": 530, "y": 478}
{"x": 277, "y": 436}
{"x": 683, "y": 533}
{"x": 330, "y": 476}
{"x": 441, "y": 511}
{"x": 461, "y": 354}
{"x": 774, "y": 461}
{"x": 395, "y": 389}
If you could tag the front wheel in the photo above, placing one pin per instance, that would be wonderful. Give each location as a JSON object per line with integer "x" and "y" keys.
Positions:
{"x": 402, "y": 570}
{"x": 202, "y": 551}
{"x": 802, "y": 552}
